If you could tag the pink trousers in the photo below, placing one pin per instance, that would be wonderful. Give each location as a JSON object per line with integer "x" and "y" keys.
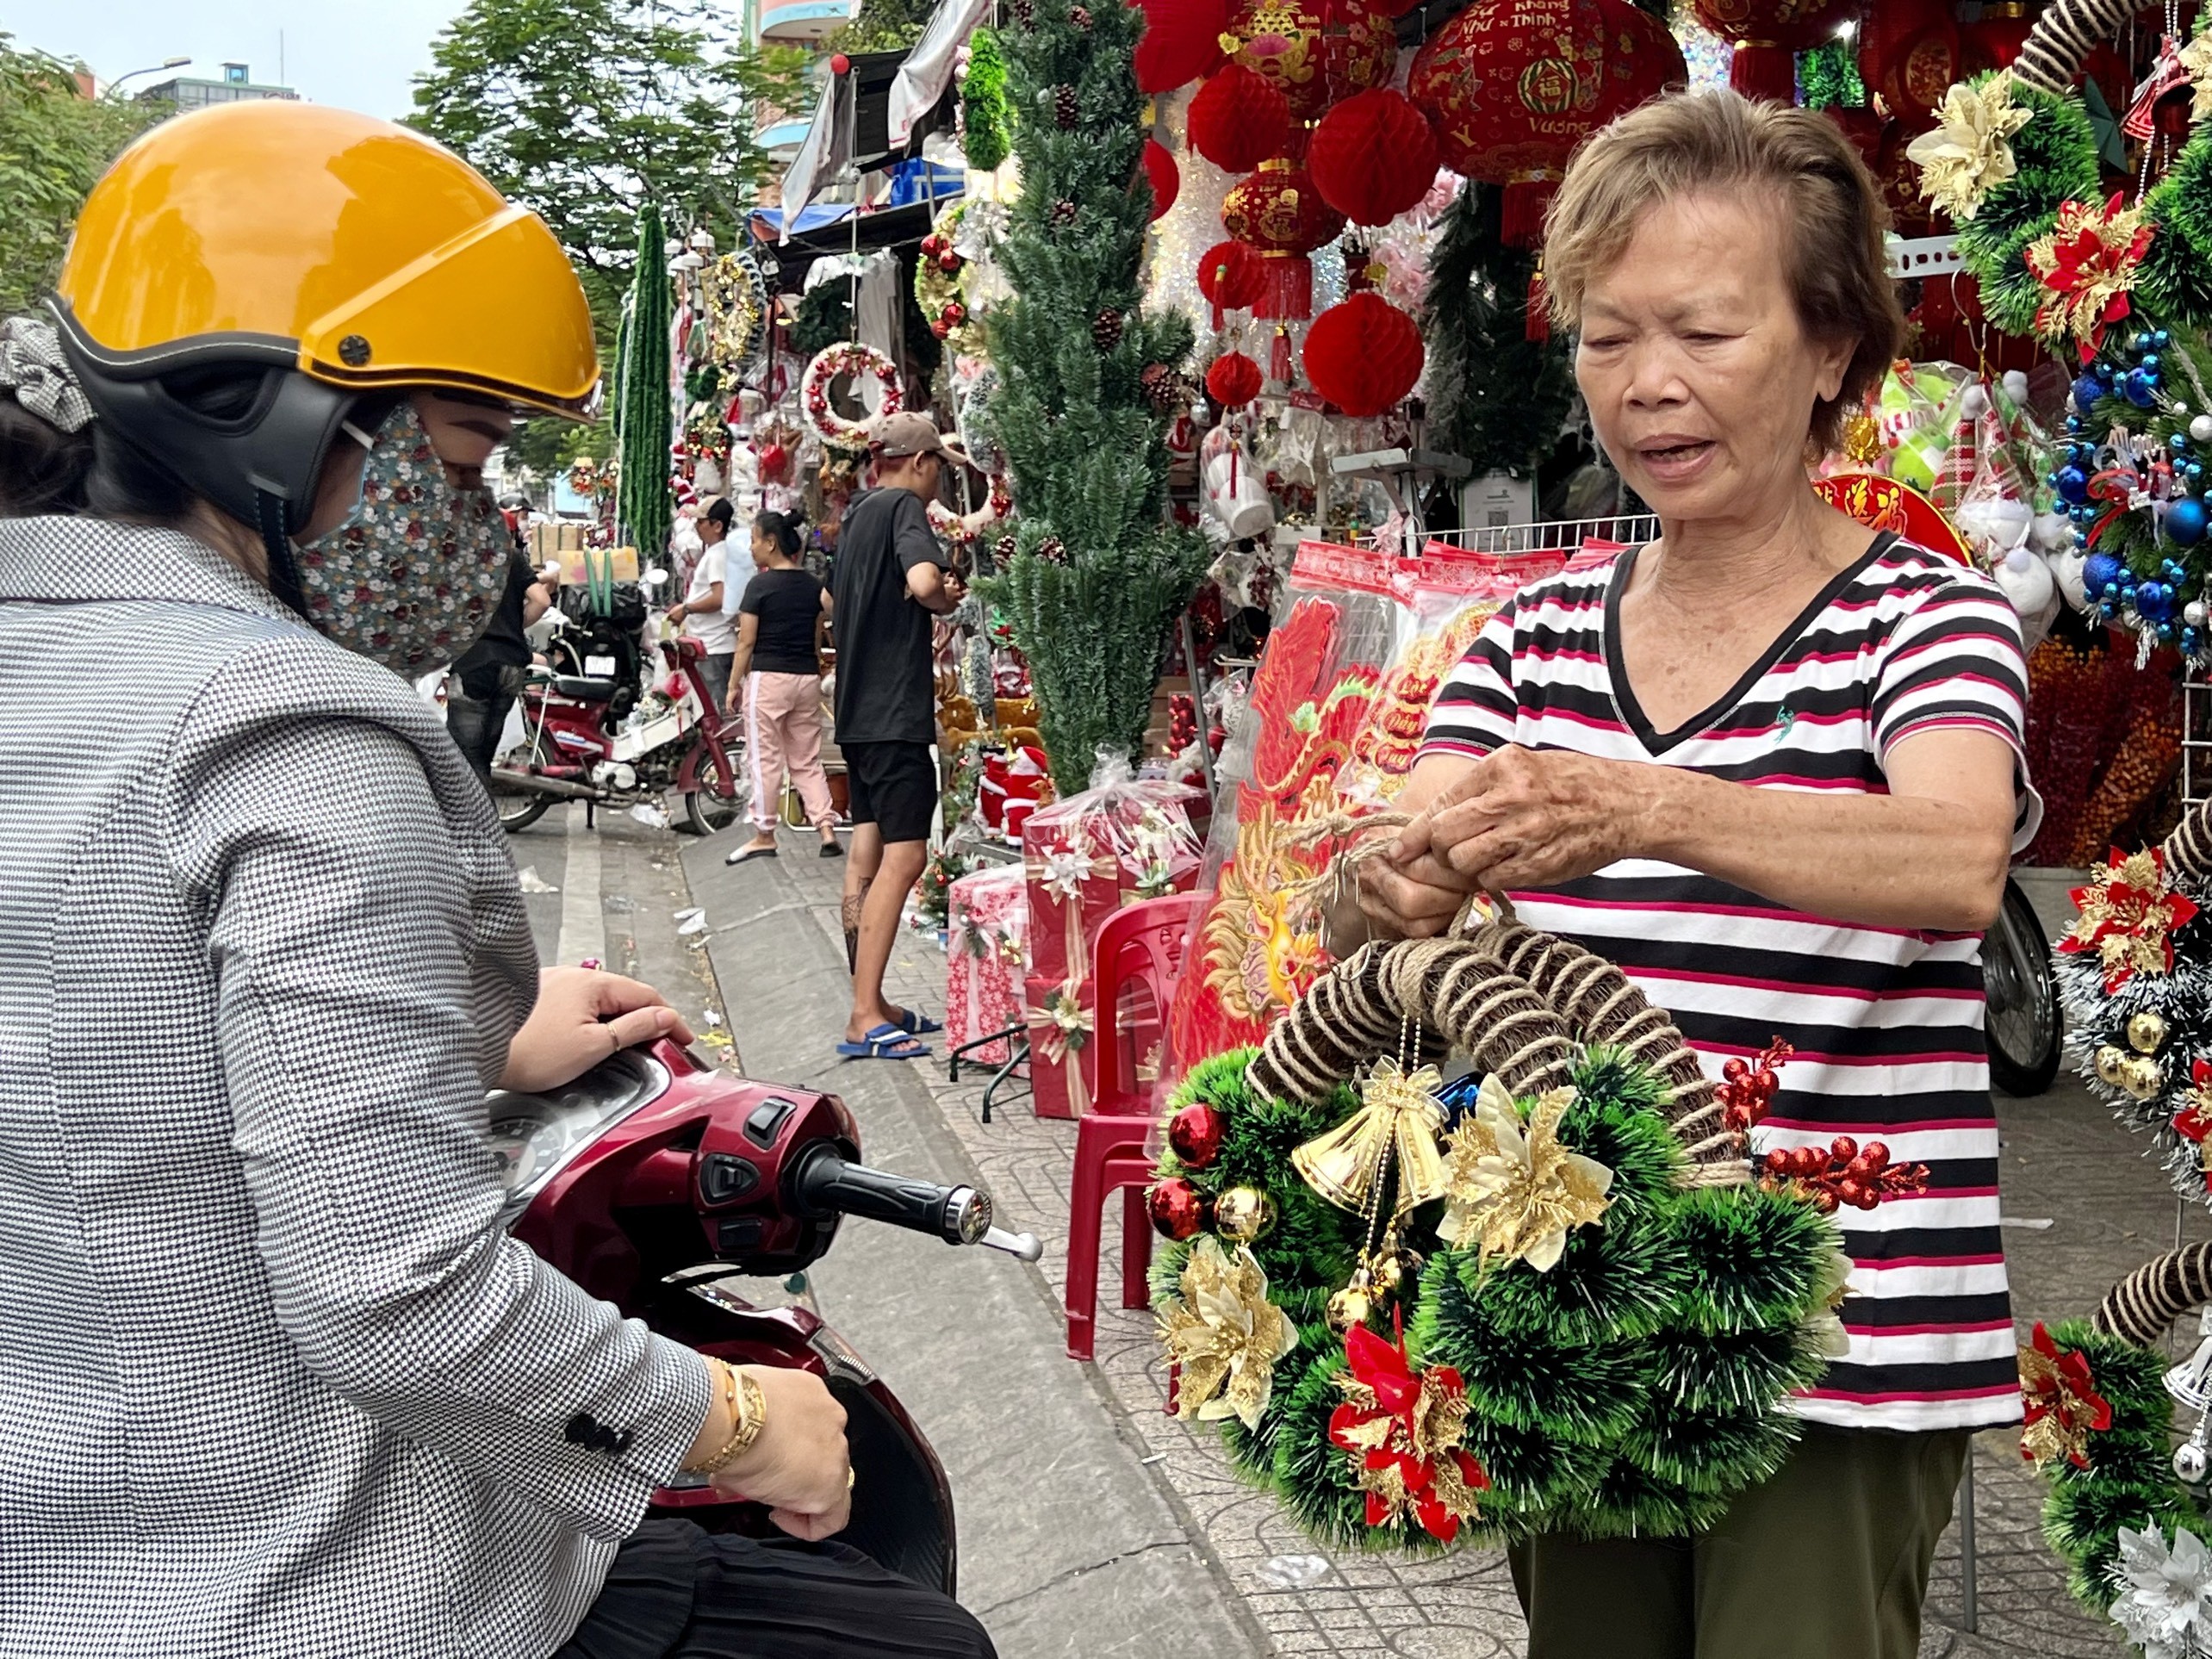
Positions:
{"x": 783, "y": 731}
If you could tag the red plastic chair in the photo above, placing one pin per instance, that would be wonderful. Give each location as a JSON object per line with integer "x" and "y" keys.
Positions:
{"x": 1140, "y": 948}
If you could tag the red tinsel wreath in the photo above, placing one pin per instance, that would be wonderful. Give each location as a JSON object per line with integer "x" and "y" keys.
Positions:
{"x": 1233, "y": 380}
{"x": 1182, "y": 40}
{"x": 1373, "y": 157}
{"x": 1238, "y": 119}
{"x": 1165, "y": 177}
{"x": 1365, "y": 355}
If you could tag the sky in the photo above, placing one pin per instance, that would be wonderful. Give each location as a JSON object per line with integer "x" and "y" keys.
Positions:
{"x": 354, "y": 54}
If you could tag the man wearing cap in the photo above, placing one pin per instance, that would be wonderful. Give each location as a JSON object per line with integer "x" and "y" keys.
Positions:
{"x": 889, "y": 578}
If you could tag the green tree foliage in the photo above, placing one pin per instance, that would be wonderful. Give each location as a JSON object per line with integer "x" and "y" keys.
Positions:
{"x": 580, "y": 110}
{"x": 54, "y": 143}
{"x": 641, "y": 397}
{"x": 883, "y": 26}
{"x": 1087, "y": 448}
{"x": 984, "y": 136}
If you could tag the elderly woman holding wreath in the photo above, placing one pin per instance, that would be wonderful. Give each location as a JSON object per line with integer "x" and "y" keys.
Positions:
{"x": 1770, "y": 763}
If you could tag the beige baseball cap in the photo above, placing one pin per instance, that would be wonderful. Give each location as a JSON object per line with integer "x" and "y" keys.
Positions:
{"x": 895, "y": 437}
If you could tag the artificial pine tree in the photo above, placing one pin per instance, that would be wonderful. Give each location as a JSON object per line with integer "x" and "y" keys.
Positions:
{"x": 642, "y": 418}
{"x": 1086, "y": 446}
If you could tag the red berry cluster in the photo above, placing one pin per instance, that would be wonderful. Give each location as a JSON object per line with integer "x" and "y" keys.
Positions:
{"x": 1842, "y": 1174}
{"x": 1747, "y": 1087}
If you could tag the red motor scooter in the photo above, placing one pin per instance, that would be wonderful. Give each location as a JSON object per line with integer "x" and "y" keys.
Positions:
{"x": 658, "y": 1182}
{"x": 574, "y": 748}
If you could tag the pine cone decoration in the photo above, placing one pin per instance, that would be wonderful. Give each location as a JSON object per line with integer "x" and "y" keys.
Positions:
{"x": 1064, "y": 107}
{"x": 1164, "y": 389}
{"x": 1061, "y": 213}
{"x": 1024, "y": 12}
{"x": 1106, "y": 329}
{"x": 1004, "y": 548}
{"x": 1052, "y": 551}
{"x": 1080, "y": 18}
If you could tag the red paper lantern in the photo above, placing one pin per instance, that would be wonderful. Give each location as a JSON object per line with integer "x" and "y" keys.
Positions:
{"x": 1182, "y": 40}
{"x": 1278, "y": 211}
{"x": 1863, "y": 127}
{"x": 1769, "y": 33}
{"x": 1166, "y": 178}
{"x": 1909, "y": 52}
{"x": 1232, "y": 277}
{"x": 1373, "y": 157}
{"x": 1512, "y": 86}
{"x": 1315, "y": 52}
{"x": 1899, "y": 177}
{"x": 1232, "y": 380}
{"x": 1238, "y": 119}
{"x": 1996, "y": 40}
{"x": 1365, "y": 355}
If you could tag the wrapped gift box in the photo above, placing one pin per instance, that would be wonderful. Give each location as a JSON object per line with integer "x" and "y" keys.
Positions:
{"x": 987, "y": 922}
{"x": 1063, "y": 1061}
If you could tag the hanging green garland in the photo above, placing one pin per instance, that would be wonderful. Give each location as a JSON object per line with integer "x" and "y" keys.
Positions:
{"x": 985, "y": 138}
{"x": 644, "y": 509}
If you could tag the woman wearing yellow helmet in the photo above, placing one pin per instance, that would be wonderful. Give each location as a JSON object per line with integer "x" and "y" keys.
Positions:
{"x": 275, "y": 1380}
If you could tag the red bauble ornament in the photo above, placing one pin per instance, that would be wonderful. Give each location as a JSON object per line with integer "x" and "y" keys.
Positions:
{"x": 1909, "y": 52}
{"x": 1315, "y": 52}
{"x": 1769, "y": 33}
{"x": 1182, "y": 40}
{"x": 1512, "y": 86}
{"x": 1996, "y": 40}
{"x": 840, "y": 65}
{"x": 1373, "y": 157}
{"x": 1195, "y": 1133}
{"x": 1278, "y": 212}
{"x": 1232, "y": 277}
{"x": 1177, "y": 1210}
{"x": 1233, "y": 380}
{"x": 1365, "y": 355}
{"x": 1238, "y": 119}
{"x": 1166, "y": 177}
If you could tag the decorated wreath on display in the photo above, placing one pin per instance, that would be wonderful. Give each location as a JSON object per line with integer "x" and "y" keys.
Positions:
{"x": 873, "y": 379}
{"x": 1551, "y": 1295}
{"x": 2127, "y": 1509}
{"x": 957, "y": 527}
{"x": 737, "y": 295}
{"x": 940, "y": 288}
{"x": 2123, "y": 287}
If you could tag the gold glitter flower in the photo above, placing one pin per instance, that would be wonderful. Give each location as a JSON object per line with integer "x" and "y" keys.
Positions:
{"x": 1514, "y": 1186}
{"x": 1225, "y": 1335}
{"x": 1970, "y": 153}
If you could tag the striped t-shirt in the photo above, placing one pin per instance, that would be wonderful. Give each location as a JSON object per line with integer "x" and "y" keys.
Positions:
{"x": 1887, "y": 1023}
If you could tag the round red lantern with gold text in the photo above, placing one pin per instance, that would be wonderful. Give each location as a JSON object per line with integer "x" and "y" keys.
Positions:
{"x": 1279, "y": 211}
{"x": 1316, "y": 51}
{"x": 1767, "y": 35}
{"x": 1910, "y": 53}
{"x": 1512, "y": 86}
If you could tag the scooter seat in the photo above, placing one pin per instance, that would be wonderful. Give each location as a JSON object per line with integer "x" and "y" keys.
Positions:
{"x": 583, "y": 690}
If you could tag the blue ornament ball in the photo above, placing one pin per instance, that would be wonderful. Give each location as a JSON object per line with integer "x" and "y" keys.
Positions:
{"x": 2072, "y": 484}
{"x": 2140, "y": 389}
{"x": 2186, "y": 521}
{"x": 2099, "y": 572}
{"x": 2086, "y": 391}
{"x": 2154, "y": 601}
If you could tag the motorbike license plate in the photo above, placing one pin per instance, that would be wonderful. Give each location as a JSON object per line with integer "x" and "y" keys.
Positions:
{"x": 600, "y": 668}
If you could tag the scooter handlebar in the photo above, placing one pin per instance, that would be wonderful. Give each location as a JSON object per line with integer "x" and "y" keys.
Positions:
{"x": 826, "y": 1184}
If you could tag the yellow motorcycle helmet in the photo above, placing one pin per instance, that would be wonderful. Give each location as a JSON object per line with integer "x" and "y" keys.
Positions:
{"x": 343, "y": 257}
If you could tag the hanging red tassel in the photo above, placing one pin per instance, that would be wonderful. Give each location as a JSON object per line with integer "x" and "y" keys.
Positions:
{"x": 1521, "y": 214}
{"x": 1538, "y": 323}
{"x": 1278, "y": 356}
{"x": 1287, "y": 288}
{"x": 1764, "y": 71}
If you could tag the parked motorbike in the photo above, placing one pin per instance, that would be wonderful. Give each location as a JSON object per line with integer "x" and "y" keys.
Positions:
{"x": 661, "y": 1183}
{"x": 2022, "y": 995}
{"x": 597, "y": 735}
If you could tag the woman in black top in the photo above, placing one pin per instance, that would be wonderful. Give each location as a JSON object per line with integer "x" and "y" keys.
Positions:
{"x": 778, "y": 663}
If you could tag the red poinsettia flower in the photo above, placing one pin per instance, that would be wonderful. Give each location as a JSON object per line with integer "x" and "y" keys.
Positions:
{"x": 2061, "y": 1402}
{"x": 2128, "y": 916}
{"x": 2088, "y": 263}
{"x": 1402, "y": 1431}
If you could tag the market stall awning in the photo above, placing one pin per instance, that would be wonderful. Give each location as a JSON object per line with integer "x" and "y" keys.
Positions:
{"x": 927, "y": 74}
{"x": 852, "y": 126}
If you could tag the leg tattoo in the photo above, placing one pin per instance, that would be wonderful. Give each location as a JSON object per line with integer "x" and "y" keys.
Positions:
{"x": 850, "y": 913}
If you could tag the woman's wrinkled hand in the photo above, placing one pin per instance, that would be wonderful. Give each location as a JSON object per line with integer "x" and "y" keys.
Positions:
{"x": 1414, "y": 899}
{"x": 1532, "y": 818}
{"x": 582, "y": 1017}
{"x": 800, "y": 1467}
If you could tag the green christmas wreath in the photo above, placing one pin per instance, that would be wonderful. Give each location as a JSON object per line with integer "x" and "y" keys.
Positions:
{"x": 1563, "y": 1308}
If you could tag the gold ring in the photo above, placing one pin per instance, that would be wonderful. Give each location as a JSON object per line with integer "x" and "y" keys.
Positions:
{"x": 851, "y": 1475}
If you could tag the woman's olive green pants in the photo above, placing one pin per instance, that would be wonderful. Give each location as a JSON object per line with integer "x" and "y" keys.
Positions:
{"x": 1827, "y": 1560}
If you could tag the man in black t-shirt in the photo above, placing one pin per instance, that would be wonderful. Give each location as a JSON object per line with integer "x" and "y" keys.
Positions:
{"x": 486, "y": 679}
{"x": 891, "y": 578}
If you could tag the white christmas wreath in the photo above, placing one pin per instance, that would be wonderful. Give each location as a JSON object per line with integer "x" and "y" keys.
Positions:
{"x": 875, "y": 382}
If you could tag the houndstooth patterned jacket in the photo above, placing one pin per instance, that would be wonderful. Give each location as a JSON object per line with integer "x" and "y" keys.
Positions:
{"x": 272, "y": 1381}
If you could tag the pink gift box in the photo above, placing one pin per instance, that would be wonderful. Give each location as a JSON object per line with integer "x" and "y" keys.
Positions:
{"x": 987, "y": 921}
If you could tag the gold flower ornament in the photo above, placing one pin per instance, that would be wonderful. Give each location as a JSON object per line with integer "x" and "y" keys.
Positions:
{"x": 1513, "y": 1187}
{"x": 1225, "y": 1335}
{"x": 1969, "y": 153}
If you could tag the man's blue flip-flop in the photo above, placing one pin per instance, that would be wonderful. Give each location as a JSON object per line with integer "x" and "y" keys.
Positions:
{"x": 885, "y": 1042}
{"x": 917, "y": 1024}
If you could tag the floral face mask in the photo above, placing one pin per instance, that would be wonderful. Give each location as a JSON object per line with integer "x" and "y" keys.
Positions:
{"x": 415, "y": 573}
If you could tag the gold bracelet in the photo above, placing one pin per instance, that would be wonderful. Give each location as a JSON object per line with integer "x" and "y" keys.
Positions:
{"x": 749, "y": 1413}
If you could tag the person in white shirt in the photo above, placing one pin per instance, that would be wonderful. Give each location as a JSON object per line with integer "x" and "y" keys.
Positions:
{"x": 706, "y": 612}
